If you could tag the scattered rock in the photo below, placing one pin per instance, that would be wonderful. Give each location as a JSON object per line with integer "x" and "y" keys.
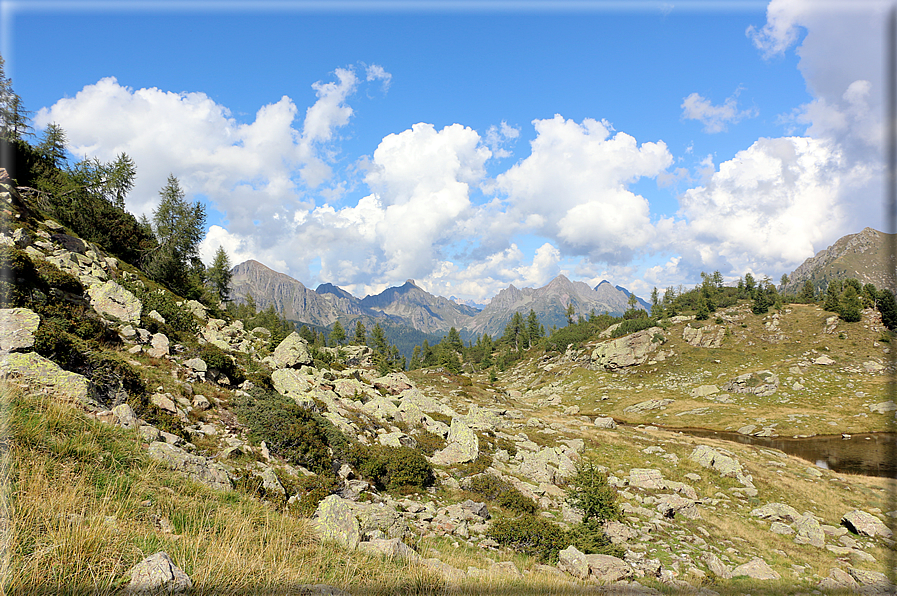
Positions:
{"x": 292, "y": 352}
{"x": 157, "y": 574}
{"x": 756, "y": 569}
{"x": 865, "y": 524}
{"x": 111, "y": 300}
{"x": 391, "y": 547}
{"x": 762, "y": 383}
{"x": 334, "y": 521}
{"x": 647, "y": 406}
{"x": 44, "y": 375}
{"x": 462, "y": 446}
{"x": 196, "y": 467}
{"x": 709, "y": 336}
{"x": 605, "y": 422}
{"x": 17, "y": 328}
{"x": 778, "y": 512}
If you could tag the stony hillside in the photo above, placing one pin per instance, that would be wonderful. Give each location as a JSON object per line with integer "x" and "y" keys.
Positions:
{"x": 863, "y": 256}
{"x": 182, "y": 451}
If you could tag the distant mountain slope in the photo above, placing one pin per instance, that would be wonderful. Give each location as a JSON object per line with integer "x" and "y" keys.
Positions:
{"x": 642, "y": 303}
{"x": 420, "y": 309}
{"x": 550, "y": 304}
{"x": 290, "y": 297}
{"x": 860, "y": 255}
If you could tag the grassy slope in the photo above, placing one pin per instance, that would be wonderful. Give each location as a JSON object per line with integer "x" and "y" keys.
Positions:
{"x": 836, "y": 398}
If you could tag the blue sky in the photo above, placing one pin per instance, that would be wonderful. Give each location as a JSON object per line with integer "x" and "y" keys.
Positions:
{"x": 471, "y": 146}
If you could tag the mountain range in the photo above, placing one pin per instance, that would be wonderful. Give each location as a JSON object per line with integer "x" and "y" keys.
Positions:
{"x": 410, "y": 311}
{"x": 412, "y": 306}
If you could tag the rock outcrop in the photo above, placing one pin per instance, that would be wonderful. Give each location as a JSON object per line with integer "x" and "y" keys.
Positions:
{"x": 629, "y": 350}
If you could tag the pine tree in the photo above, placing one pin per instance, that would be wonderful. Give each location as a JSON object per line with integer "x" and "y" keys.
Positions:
{"x": 52, "y": 146}
{"x": 454, "y": 340}
{"x": 337, "y": 335}
{"x": 534, "y": 330}
{"x": 178, "y": 227}
{"x": 833, "y": 297}
{"x": 571, "y": 310}
{"x": 808, "y": 293}
{"x": 219, "y": 275}
{"x": 850, "y": 305}
{"x": 887, "y": 306}
{"x": 360, "y": 338}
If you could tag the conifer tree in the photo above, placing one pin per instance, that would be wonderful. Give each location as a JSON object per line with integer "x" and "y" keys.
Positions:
{"x": 337, "y": 335}
{"x": 808, "y": 293}
{"x": 850, "y": 305}
{"x": 833, "y": 297}
{"x": 219, "y": 275}
{"x": 360, "y": 338}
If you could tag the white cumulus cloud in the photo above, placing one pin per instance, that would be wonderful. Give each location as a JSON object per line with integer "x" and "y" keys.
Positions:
{"x": 714, "y": 118}
{"x": 573, "y": 188}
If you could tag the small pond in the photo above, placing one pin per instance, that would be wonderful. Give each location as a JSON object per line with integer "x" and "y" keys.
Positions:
{"x": 871, "y": 454}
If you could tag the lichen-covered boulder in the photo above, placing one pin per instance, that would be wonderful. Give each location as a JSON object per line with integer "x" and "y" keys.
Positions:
{"x": 17, "y": 328}
{"x": 292, "y": 352}
{"x": 394, "y": 383}
{"x": 709, "y": 336}
{"x": 866, "y": 524}
{"x": 196, "y": 467}
{"x": 756, "y": 569}
{"x": 779, "y": 512}
{"x": 111, "y": 300}
{"x": 462, "y": 446}
{"x": 335, "y": 521}
{"x": 157, "y": 574}
{"x": 629, "y": 350}
{"x": 291, "y": 383}
{"x": 43, "y": 374}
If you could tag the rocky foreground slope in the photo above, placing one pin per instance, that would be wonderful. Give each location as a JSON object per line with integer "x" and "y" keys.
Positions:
{"x": 698, "y": 515}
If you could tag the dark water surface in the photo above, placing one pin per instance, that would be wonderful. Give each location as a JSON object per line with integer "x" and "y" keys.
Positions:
{"x": 871, "y": 454}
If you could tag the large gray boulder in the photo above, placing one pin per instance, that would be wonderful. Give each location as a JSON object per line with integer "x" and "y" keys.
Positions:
{"x": 809, "y": 531}
{"x": 292, "y": 352}
{"x": 761, "y": 383}
{"x": 708, "y": 336}
{"x": 756, "y": 569}
{"x": 861, "y": 522}
{"x": 711, "y": 458}
{"x": 17, "y": 328}
{"x": 603, "y": 568}
{"x": 291, "y": 383}
{"x": 777, "y": 512}
{"x": 41, "y": 374}
{"x": 113, "y": 301}
{"x": 195, "y": 467}
{"x": 392, "y": 548}
{"x": 157, "y": 574}
{"x": 629, "y": 350}
{"x": 335, "y": 521}
{"x": 462, "y": 446}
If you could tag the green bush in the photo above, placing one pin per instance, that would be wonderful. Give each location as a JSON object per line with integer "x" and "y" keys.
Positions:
{"x": 503, "y": 494}
{"x": 589, "y": 491}
{"x": 216, "y": 358}
{"x": 290, "y": 431}
{"x": 311, "y": 490}
{"x": 589, "y": 538}
{"x": 399, "y": 469}
{"x": 531, "y": 535}
{"x": 177, "y": 318}
{"x": 633, "y": 325}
